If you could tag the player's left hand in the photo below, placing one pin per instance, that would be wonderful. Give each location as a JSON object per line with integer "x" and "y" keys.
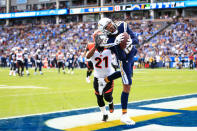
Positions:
{"x": 129, "y": 46}
{"x": 98, "y": 41}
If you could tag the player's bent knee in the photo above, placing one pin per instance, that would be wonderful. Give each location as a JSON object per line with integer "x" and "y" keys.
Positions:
{"x": 108, "y": 97}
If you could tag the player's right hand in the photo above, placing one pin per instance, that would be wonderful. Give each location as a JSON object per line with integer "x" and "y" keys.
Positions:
{"x": 119, "y": 38}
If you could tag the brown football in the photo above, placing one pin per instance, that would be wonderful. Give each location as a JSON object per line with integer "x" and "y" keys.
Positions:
{"x": 123, "y": 43}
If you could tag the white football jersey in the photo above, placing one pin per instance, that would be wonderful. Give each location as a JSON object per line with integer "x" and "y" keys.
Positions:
{"x": 102, "y": 63}
{"x": 60, "y": 57}
{"x": 19, "y": 56}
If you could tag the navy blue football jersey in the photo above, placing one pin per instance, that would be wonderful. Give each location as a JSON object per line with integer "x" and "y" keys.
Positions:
{"x": 120, "y": 54}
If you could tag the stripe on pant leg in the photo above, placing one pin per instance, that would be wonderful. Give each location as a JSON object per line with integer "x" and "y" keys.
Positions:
{"x": 123, "y": 74}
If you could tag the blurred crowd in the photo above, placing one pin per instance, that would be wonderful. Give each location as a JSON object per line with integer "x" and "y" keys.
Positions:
{"x": 69, "y": 38}
{"x": 176, "y": 45}
{"x": 36, "y": 7}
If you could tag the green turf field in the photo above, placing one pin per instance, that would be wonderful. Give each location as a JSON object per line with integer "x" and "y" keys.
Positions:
{"x": 63, "y": 92}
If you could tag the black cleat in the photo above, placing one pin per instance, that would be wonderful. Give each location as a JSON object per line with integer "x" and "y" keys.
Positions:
{"x": 111, "y": 107}
{"x": 105, "y": 117}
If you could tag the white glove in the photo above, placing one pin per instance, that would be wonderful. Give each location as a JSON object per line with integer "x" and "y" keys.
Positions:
{"x": 129, "y": 46}
{"x": 119, "y": 38}
{"x": 130, "y": 41}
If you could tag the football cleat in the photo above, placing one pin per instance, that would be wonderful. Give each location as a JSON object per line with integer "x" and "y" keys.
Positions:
{"x": 125, "y": 119}
{"x": 10, "y": 73}
{"x": 111, "y": 107}
{"x": 88, "y": 80}
{"x": 105, "y": 118}
{"x": 68, "y": 71}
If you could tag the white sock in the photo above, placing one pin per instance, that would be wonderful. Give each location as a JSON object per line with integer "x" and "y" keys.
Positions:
{"x": 10, "y": 72}
{"x": 14, "y": 73}
{"x": 103, "y": 110}
{"x": 27, "y": 72}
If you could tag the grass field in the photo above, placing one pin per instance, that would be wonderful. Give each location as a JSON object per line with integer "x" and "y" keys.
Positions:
{"x": 65, "y": 92}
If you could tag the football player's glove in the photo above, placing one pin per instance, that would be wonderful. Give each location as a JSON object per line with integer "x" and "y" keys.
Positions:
{"x": 98, "y": 41}
{"x": 119, "y": 38}
{"x": 129, "y": 46}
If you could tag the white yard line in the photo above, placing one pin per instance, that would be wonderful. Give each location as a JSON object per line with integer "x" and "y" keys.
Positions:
{"x": 57, "y": 92}
{"x": 21, "y": 87}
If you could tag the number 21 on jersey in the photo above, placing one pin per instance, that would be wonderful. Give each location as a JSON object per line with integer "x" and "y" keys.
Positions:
{"x": 99, "y": 62}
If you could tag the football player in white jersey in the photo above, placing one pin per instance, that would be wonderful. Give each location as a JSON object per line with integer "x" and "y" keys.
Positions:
{"x": 12, "y": 59}
{"x": 19, "y": 63}
{"x": 60, "y": 61}
{"x": 102, "y": 59}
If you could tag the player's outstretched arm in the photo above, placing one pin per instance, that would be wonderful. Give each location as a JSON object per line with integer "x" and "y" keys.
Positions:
{"x": 113, "y": 76}
{"x": 135, "y": 40}
{"x": 90, "y": 53}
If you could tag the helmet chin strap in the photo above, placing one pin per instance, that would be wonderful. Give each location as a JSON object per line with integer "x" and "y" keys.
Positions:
{"x": 100, "y": 49}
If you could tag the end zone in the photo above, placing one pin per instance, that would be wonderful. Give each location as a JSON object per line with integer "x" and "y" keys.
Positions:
{"x": 166, "y": 113}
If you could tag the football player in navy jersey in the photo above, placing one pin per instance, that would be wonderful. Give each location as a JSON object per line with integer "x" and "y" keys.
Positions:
{"x": 72, "y": 61}
{"x": 26, "y": 57}
{"x": 12, "y": 59}
{"x": 38, "y": 62}
{"x": 114, "y": 36}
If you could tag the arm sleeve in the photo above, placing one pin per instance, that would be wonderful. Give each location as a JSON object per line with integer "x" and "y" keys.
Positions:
{"x": 92, "y": 58}
{"x": 114, "y": 76}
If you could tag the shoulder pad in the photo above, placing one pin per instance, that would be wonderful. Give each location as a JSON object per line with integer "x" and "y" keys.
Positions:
{"x": 125, "y": 26}
{"x": 118, "y": 23}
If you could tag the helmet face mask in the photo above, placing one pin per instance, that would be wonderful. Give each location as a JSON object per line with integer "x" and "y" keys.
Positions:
{"x": 107, "y": 26}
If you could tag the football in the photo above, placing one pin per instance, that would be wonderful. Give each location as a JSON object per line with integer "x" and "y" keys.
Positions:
{"x": 123, "y": 43}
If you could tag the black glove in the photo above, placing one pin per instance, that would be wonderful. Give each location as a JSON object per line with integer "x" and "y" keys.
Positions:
{"x": 98, "y": 41}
